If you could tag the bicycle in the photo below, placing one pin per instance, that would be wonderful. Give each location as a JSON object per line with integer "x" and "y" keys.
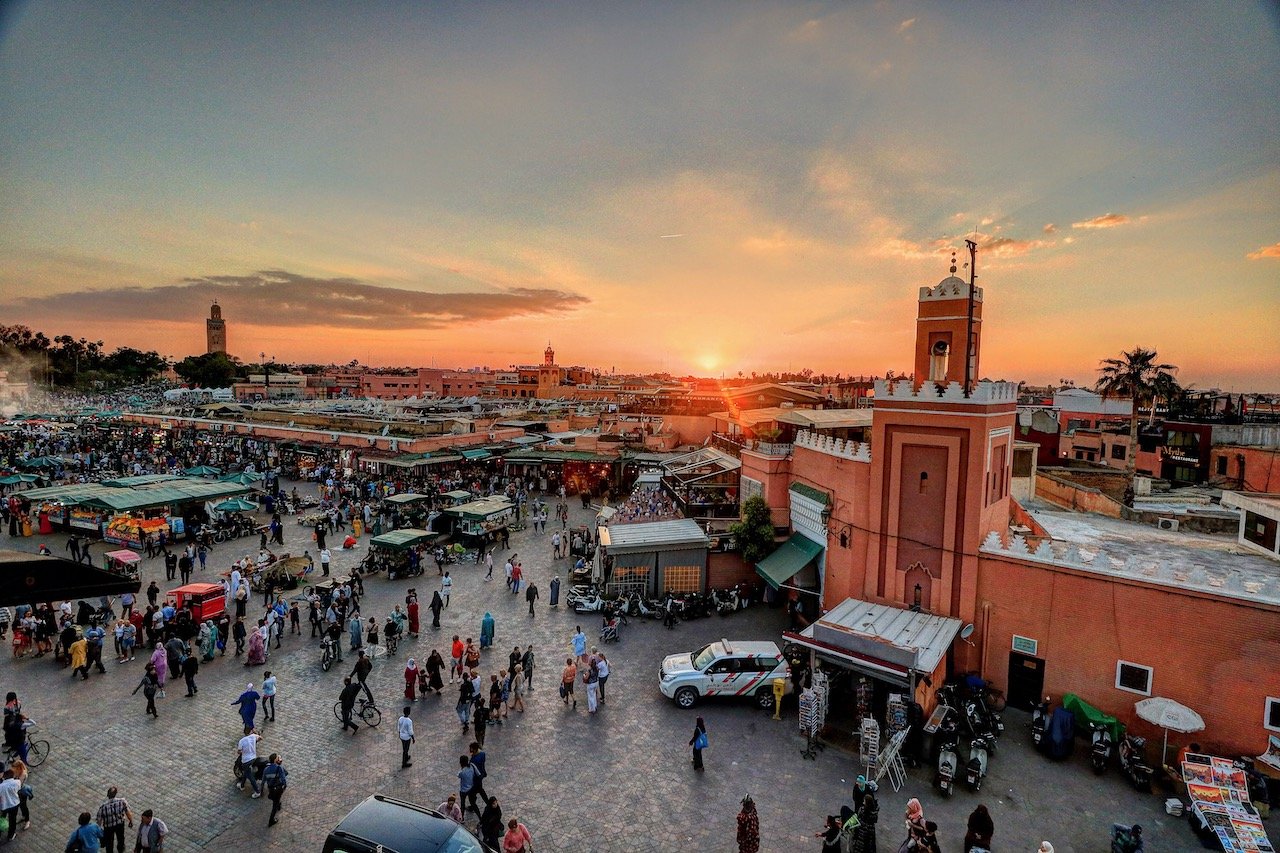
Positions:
{"x": 366, "y": 711}
{"x": 37, "y": 750}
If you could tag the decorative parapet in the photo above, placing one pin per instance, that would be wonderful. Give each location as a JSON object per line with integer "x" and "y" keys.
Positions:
{"x": 948, "y": 392}
{"x": 857, "y": 451}
{"x": 1231, "y": 583}
{"x": 950, "y": 287}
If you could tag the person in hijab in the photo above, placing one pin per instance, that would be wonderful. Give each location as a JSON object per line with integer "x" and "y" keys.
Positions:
{"x": 437, "y": 604}
{"x": 248, "y": 702}
{"x": 868, "y": 813}
{"x": 411, "y": 604}
{"x": 486, "y": 631}
{"x": 916, "y": 830}
{"x": 160, "y": 661}
{"x": 257, "y": 650}
{"x": 353, "y": 628}
{"x": 980, "y": 829}
{"x": 208, "y": 640}
{"x": 432, "y": 673}
{"x": 410, "y": 679}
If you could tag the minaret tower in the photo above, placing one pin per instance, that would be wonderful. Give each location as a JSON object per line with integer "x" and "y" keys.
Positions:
{"x": 215, "y": 329}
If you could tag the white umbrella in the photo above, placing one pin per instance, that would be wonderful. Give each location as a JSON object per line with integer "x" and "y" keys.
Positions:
{"x": 1169, "y": 714}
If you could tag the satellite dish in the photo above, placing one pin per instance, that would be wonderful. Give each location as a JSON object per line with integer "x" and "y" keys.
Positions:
{"x": 966, "y": 632}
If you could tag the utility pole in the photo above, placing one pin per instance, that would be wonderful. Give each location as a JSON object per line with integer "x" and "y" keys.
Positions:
{"x": 968, "y": 337}
{"x": 266, "y": 368}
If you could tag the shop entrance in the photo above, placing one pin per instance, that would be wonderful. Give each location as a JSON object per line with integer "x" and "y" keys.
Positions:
{"x": 1026, "y": 681}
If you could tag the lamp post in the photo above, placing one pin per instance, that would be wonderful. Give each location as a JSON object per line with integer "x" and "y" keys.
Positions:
{"x": 266, "y": 369}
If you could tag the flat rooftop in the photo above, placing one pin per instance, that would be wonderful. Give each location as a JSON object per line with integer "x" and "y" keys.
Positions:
{"x": 1216, "y": 564}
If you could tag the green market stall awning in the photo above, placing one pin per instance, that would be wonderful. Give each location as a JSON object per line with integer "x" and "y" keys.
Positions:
{"x": 160, "y": 494}
{"x": 202, "y": 471}
{"x": 402, "y": 539}
{"x": 31, "y": 579}
{"x": 244, "y": 478}
{"x": 235, "y": 505}
{"x": 792, "y": 556}
{"x": 140, "y": 480}
{"x": 14, "y": 479}
{"x": 472, "y": 455}
{"x": 406, "y": 498}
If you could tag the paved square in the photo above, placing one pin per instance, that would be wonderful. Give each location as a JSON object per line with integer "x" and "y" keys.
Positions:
{"x": 619, "y": 780}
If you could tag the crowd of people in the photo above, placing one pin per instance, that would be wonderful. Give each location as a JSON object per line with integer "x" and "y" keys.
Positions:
{"x": 646, "y": 503}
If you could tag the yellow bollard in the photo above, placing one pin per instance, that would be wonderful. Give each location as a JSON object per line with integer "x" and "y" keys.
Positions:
{"x": 779, "y": 687}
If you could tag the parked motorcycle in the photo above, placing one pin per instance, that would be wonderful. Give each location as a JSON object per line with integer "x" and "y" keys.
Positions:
{"x": 1039, "y": 721}
{"x": 948, "y": 755}
{"x": 1100, "y": 754}
{"x": 588, "y": 604}
{"x": 1133, "y": 762}
{"x": 976, "y": 769}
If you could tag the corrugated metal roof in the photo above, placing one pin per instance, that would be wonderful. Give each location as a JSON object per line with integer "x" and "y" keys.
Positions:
{"x": 896, "y": 635}
{"x": 657, "y": 536}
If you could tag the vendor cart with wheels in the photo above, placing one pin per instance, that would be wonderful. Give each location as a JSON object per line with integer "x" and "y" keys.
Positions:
{"x": 396, "y": 552}
{"x": 123, "y": 562}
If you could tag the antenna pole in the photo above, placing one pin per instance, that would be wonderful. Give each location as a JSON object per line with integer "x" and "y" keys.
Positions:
{"x": 968, "y": 337}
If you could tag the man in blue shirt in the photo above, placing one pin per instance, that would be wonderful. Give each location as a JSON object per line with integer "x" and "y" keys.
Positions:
{"x": 88, "y": 834}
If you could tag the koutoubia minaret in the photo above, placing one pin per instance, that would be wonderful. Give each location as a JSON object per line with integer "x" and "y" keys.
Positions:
{"x": 215, "y": 329}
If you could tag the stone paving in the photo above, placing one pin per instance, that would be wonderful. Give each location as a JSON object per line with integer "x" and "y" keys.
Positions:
{"x": 618, "y": 780}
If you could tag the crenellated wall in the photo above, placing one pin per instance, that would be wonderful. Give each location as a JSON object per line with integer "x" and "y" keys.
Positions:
{"x": 857, "y": 451}
{"x": 987, "y": 393}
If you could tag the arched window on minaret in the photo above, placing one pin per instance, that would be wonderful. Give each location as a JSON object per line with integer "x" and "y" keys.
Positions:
{"x": 939, "y": 354}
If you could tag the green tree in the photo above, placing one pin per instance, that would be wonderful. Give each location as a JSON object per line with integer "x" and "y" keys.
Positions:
{"x": 754, "y": 530}
{"x": 1138, "y": 376}
{"x": 210, "y": 370}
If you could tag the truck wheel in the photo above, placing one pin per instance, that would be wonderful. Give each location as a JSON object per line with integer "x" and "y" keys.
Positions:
{"x": 764, "y": 699}
{"x": 686, "y": 697}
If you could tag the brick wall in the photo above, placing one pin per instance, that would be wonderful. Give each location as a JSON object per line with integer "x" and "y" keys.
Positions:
{"x": 1072, "y": 496}
{"x": 1214, "y": 654}
{"x": 725, "y": 570}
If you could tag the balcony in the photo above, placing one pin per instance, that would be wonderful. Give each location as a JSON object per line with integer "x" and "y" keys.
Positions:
{"x": 735, "y": 444}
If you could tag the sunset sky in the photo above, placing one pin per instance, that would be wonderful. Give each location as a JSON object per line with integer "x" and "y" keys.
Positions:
{"x": 706, "y": 187}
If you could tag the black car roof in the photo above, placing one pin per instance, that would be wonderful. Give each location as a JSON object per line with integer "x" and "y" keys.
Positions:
{"x": 400, "y": 827}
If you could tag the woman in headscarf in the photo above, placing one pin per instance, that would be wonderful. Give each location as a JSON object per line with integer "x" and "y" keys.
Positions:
{"x": 353, "y": 629}
{"x": 916, "y": 829}
{"x": 431, "y": 675}
{"x": 868, "y": 813}
{"x": 410, "y": 679}
{"x": 208, "y": 640}
{"x": 257, "y": 650}
{"x": 437, "y": 604}
{"x": 411, "y": 603}
{"x": 160, "y": 661}
{"x": 486, "y": 630}
{"x": 372, "y": 636}
{"x": 980, "y": 829}
{"x": 248, "y": 702}
{"x": 698, "y": 741}
{"x": 748, "y": 827}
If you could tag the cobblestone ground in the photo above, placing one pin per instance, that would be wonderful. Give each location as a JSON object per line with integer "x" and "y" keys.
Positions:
{"x": 618, "y": 780}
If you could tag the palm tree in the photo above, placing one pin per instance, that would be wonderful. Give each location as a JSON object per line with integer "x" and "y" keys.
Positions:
{"x": 1140, "y": 377}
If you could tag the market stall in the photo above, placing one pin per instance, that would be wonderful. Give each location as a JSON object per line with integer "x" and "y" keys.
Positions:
{"x": 122, "y": 562}
{"x": 393, "y": 552}
{"x": 481, "y": 517}
{"x": 1221, "y": 808}
{"x": 653, "y": 558}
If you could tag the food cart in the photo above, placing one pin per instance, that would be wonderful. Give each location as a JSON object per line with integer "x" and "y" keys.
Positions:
{"x": 411, "y": 508}
{"x": 122, "y": 562}
{"x": 483, "y": 517}
{"x": 202, "y": 600}
{"x": 285, "y": 573}
{"x": 131, "y": 531}
{"x": 391, "y": 550}
{"x": 456, "y": 497}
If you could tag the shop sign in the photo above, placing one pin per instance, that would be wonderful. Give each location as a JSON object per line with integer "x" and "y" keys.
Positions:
{"x": 1025, "y": 645}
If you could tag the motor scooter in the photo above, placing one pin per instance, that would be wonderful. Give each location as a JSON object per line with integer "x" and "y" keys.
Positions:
{"x": 1100, "y": 753}
{"x": 976, "y": 769}
{"x": 1134, "y": 764}
{"x": 948, "y": 755}
{"x": 1039, "y": 721}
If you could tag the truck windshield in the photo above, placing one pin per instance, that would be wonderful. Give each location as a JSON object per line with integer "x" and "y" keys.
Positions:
{"x": 703, "y": 657}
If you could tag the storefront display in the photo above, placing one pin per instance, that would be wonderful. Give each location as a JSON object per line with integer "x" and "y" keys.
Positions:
{"x": 1219, "y": 794}
{"x": 85, "y": 518}
{"x": 131, "y": 532}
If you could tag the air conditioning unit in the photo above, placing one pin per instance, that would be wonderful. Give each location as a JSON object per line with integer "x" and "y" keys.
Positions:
{"x": 1167, "y": 523}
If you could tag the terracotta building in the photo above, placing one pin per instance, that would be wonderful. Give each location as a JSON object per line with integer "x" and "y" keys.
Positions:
{"x": 215, "y": 330}
{"x": 911, "y": 562}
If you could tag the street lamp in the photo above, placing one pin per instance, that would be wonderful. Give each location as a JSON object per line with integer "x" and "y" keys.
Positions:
{"x": 266, "y": 368}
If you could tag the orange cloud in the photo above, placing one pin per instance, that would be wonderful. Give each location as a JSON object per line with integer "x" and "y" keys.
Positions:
{"x": 1272, "y": 251}
{"x": 907, "y": 24}
{"x": 1008, "y": 247}
{"x": 1107, "y": 220}
{"x": 1050, "y": 228}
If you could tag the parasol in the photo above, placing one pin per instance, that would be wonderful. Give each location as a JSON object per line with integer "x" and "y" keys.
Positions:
{"x": 1169, "y": 714}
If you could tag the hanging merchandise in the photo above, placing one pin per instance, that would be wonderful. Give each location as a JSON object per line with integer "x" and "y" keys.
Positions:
{"x": 896, "y": 717}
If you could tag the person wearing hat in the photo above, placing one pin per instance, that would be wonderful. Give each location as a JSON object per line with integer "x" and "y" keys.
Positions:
{"x": 151, "y": 833}
{"x": 1045, "y": 847}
